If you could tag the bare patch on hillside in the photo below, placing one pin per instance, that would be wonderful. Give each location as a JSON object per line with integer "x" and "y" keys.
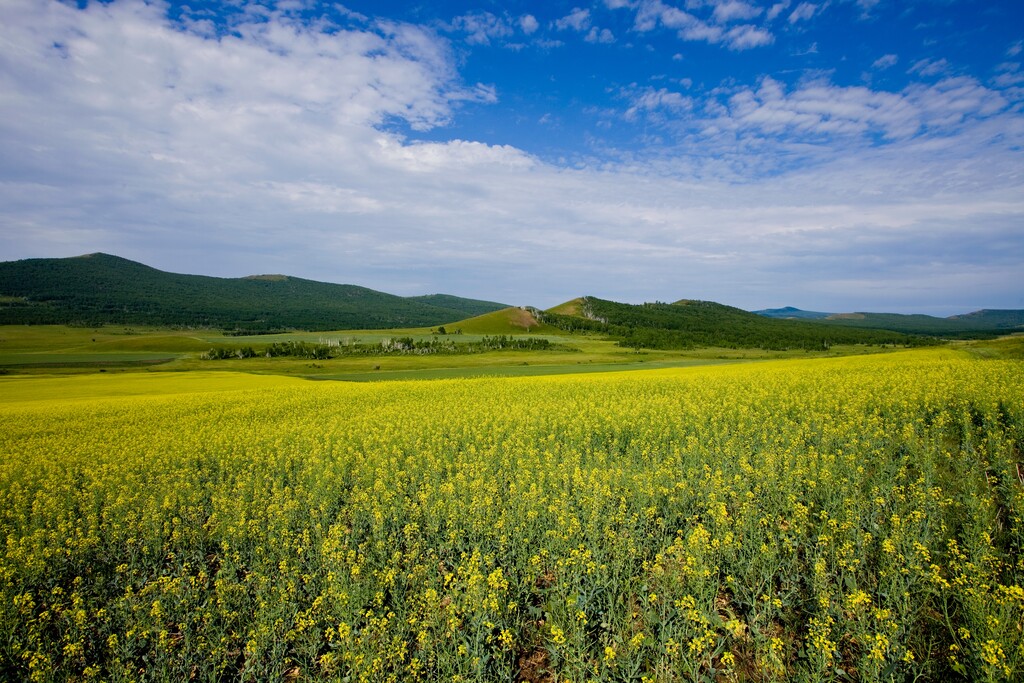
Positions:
{"x": 520, "y": 317}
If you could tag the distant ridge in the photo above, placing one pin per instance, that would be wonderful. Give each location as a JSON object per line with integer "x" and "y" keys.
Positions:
{"x": 986, "y": 322}
{"x": 790, "y": 313}
{"x": 691, "y": 323}
{"x": 470, "y": 307}
{"x": 104, "y": 289}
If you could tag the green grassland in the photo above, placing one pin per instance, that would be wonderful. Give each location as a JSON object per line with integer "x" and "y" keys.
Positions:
{"x": 513, "y": 320}
{"x": 48, "y": 349}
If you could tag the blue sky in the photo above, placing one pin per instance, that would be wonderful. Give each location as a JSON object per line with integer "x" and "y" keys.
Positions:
{"x": 836, "y": 155}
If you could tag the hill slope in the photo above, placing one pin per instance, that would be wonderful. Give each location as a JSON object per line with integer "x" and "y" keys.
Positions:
{"x": 978, "y": 323}
{"x": 100, "y": 288}
{"x": 690, "y": 324}
{"x": 981, "y": 323}
{"x": 470, "y": 307}
{"x": 791, "y": 313}
{"x": 513, "y": 320}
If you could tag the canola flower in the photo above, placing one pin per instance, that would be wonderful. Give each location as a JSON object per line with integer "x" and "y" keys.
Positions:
{"x": 772, "y": 521}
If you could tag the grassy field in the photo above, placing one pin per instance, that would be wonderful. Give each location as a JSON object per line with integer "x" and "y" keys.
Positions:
{"x": 55, "y": 349}
{"x": 831, "y": 519}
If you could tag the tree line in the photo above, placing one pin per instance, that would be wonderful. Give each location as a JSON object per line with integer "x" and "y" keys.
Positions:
{"x": 386, "y": 347}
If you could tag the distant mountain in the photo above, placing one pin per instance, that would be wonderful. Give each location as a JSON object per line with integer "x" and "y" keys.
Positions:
{"x": 468, "y": 307}
{"x": 100, "y": 288}
{"x": 988, "y": 319}
{"x": 979, "y": 323}
{"x": 791, "y": 313}
{"x": 691, "y": 324}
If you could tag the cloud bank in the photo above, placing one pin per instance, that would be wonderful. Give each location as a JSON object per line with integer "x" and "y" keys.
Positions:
{"x": 289, "y": 145}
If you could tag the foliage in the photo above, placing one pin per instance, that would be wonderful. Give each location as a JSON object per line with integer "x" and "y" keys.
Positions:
{"x": 467, "y": 307}
{"x": 979, "y": 324}
{"x": 819, "y": 520}
{"x": 388, "y": 347}
{"x": 693, "y": 324}
{"x": 97, "y": 289}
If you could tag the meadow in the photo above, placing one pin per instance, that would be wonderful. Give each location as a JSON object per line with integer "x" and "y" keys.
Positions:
{"x": 64, "y": 350}
{"x": 838, "y": 519}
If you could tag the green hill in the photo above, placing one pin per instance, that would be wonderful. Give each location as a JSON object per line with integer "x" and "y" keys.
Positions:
{"x": 571, "y": 307}
{"x": 977, "y": 324}
{"x": 791, "y": 313}
{"x": 691, "y": 324}
{"x": 470, "y": 307}
{"x": 100, "y": 288}
{"x": 512, "y": 320}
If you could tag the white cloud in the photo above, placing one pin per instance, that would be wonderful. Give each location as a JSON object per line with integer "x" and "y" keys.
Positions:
{"x": 929, "y": 67}
{"x": 648, "y": 100}
{"x": 321, "y": 198}
{"x": 1010, "y": 76}
{"x": 652, "y": 13}
{"x": 429, "y": 157}
{"x": 885, "y": 61}
{"x": 733, "y": 10}
{"x": 577, "y": 20}
{"x": 481, "y": 27}
{"x": 746, "y": 37}
{"x": 777, "y": 9}
{"x": 1015, "y": 49}
{"x": 823, "y": 111}
{"x": 528, "y": 23}
{"x": 276, "y": 149}
{"x": 803, "y": 11}
{"x": 599, "y": 36}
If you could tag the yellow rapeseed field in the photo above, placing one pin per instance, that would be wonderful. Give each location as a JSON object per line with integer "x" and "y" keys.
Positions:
{"x": 857, "y": 518}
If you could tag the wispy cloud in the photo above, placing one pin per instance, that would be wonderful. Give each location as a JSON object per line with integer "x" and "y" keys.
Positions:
{"x": 1010, "y": 77}
{"x": 885, "y": 62}
{"x": 823, "y": 111}
{"x": 284, "y": 145}
{"x": 734, "y": 10}
{"x": 653, "y": 13}
{"x": 482, "y": 27}
{"x": 866, "y": 7}
{"x": 777, "y": 9}
{"x": 646, "y": 100}
{"x": 577, "y": 20}
{"x": 929, "y": 67}
{"x": 803, "y": 11}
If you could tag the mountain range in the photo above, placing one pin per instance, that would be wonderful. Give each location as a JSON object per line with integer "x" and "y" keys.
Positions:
{"x": 985, "y": 322}
{"x": 104, "y": 289}
{"x": 100, "y": 289}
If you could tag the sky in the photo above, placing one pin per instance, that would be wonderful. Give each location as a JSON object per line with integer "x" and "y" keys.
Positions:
{"x": 837, "y": 155}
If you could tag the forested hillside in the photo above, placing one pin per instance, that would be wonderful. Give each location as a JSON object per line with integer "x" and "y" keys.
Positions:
{"x": 690, "y": 324}
{"x": 103, "y": 289}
